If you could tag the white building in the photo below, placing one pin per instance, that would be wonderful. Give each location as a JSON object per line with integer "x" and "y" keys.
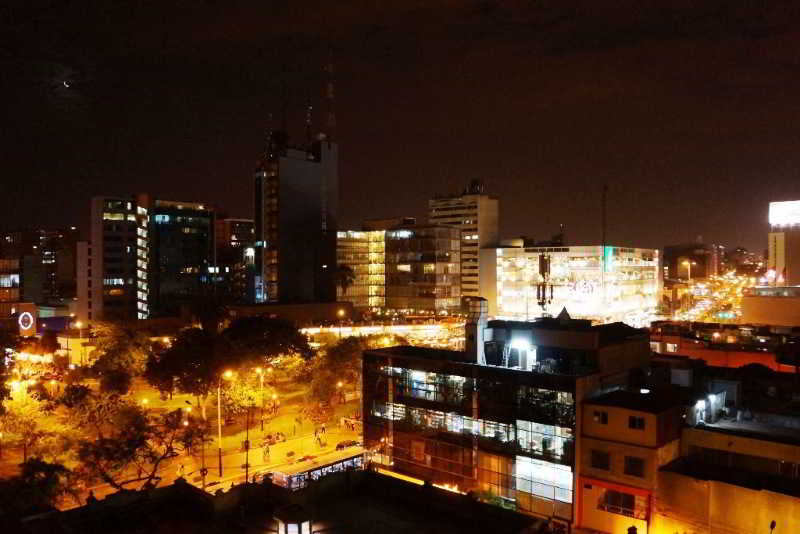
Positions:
{"x": 604, "y": 285}
{"x": 784, "y": 243}
{"x": 476, "y": 214}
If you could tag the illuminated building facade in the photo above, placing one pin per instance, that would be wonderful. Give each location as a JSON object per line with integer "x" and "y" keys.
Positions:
{"x": 182, "y": 254}
{"x": 784, "y": 243}
{"x": 113, "y": 280}
{"x": 604, "y": 285}
{"x": 476, "y": 215}
{"x": 49, "y": 257}
{"x": 423, "y": 269}
{"x": 296, "y": 208}
{"x": 365, "y": 253}
{"x": 406, "y": 269}
{"x": 500, "y": 419}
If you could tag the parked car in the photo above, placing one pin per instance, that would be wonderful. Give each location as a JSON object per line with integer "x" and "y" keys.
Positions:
{"x": 306, "y": 457}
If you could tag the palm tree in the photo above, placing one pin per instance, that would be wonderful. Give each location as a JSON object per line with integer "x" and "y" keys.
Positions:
{"x": 345, "y": 277}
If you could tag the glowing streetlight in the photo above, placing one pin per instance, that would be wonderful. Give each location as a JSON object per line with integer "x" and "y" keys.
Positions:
{"x": 260, "y": 374}
{"x": 145, "y": 402}
{"x": 339, "y": 384}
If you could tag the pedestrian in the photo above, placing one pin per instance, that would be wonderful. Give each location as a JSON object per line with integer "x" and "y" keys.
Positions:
{"x": 181, "y": 470}
{"x": 323, "y": 428}
{"x": 91, "y": 499}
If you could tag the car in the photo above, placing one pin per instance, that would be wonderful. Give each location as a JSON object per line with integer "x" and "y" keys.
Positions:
{"x": 347, "y": 444}
{"x": 306, "y": 457}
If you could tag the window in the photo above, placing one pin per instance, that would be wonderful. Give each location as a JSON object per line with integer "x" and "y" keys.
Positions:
{"x": 601, "y": 417}
{"x": 637, "y": 423}
{"x": 618, "y": 503}
{"x": 634, "y": 466}
{"x": 602, "y": 460}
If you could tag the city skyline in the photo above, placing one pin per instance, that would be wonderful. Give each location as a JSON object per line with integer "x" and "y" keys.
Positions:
{"x": 687, "y": 118}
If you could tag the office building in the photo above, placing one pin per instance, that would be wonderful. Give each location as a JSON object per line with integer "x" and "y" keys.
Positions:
{"x": 364, "y": 252}
{"x": 296, "y": 207}
{"x": 236, "y": 258}
{"x": 498, "y": 421}
{"x": 423, "y": 269}
{"x": 49, "y": 258}
{"x": 145, "y": 257}
{"x": 783, "y": 263}
{"x": 182, "y": 255}
{"x": 406, "y": 269}
{"x": 475, "y": 214}
{"x": 592, "y": 282}
{"x": 113, "y": 279}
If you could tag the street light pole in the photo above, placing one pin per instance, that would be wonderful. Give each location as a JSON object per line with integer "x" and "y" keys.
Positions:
{"x": 219, "y": 423}
{"x": 247, "y": 448}
{"x": 261, "y": 380}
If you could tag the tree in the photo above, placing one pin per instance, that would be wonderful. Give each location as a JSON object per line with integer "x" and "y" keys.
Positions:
{"x": 37, "y": 488}
{"x": 134, "y": 444}
{"x": 260, "y": 339}
{"x": 48, "y": 344}
{"x": 240, "y": 394}
{"x": 192, "y": 364}
{"x": 120, "y": 349}
{"x": 210, "y": 311}
{"x": 21, "y": 422}
{"x": 345, "y": 277}
{"x": 344, "y": 358}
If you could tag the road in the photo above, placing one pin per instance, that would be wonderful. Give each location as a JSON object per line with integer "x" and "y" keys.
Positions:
{"x": 233, "y": 461}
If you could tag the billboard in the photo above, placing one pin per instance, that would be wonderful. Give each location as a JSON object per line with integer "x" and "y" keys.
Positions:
{"x": 784, "y": 213}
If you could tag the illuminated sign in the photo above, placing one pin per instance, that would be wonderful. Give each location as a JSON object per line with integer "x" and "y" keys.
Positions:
{"x": 784, "y": 213}
{"x": 25, "y": 320}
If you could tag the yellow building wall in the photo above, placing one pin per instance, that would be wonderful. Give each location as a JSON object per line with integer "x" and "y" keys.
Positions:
{"x": 783, "y": 311}
{"x": 602, "y": 521}
{"x": 617, "y": 428}
{"x": 685, "y": 505}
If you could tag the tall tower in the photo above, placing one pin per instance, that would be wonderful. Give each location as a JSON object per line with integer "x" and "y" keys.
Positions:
{"x": 296, "y": 212}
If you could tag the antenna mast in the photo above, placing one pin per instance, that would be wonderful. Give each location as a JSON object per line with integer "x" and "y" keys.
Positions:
{"x": 330, "y": 123}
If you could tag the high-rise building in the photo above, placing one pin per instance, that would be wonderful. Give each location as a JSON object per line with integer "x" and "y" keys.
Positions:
{"x": 49, "y": 258}
{"x": 364, "y": 252}
{"x": 182, "y": 254}
{"x": 476, "y": 215}
{"x": 236, "y": 258}
{"x": 296, "y": 207}
{"x": 113, "y": 279}
{"x": 784, "y": 243}
{"x": 144, "y": 258}
{"x": 690, "y": 261}
{"x": 601, "y": 284}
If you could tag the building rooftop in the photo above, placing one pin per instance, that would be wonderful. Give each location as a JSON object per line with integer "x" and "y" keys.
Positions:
{"x": 655, "y": 402}
{"x": 697, "y": 468}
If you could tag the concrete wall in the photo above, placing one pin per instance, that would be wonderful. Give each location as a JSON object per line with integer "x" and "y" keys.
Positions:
{"x": 738, "y": 444}
{"x": 784, "y": 311}
{"x": 617, "y": 428}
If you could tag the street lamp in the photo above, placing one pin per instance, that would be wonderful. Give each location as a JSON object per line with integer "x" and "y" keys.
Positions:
{"x": 227, "y": 375}
{"x": 260, "y": 374}
{"x": 340, "y": 313}
{"x": 688, "y": 264}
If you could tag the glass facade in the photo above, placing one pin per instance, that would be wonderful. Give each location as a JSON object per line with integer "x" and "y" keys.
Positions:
{"x": 506, "y": 436}
{"x": 605, "y": 285}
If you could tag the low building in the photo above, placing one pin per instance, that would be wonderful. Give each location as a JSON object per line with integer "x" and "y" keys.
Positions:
{"x": 500, "y": 419}
{"x": 627, "y": 437}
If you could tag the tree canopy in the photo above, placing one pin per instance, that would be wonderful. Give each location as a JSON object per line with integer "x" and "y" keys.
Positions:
{"x": 265, "y": 338}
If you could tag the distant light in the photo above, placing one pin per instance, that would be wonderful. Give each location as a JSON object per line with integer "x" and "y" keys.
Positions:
{"x": 644, "y": 391}
{"x": 712, "y": 397}
{"x": 701, "y": 405}
{"x": 520, "y": 343}
{"x": 65, "y": 83}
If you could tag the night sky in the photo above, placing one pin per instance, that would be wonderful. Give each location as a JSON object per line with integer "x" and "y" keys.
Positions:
{"x": 688, "y": 109}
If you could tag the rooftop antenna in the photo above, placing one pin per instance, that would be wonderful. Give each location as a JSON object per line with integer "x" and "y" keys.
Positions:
{"x": 330, "y": 123}
{"x": 603, "y": 267}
